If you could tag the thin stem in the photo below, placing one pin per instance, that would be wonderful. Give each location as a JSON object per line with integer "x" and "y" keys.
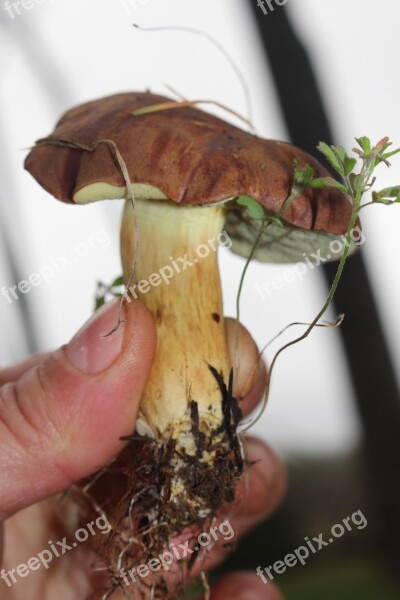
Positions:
{"x": 145, "y": 110}
{"x": 296, "y": 190}
{"x": 219, "y": 47}
{"x": 356, "y": 197}
{"x": 264, "y": 225}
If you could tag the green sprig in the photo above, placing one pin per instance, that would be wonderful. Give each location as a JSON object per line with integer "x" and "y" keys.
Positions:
{"x": 354, "y": 185}
{"x": 105, "y": 292}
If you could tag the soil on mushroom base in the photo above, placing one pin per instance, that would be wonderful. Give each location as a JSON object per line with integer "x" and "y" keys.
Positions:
{"x": 136, "y": 494}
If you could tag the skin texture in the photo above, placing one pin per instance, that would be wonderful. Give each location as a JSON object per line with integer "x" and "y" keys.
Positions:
{"x": 52, "y": 416}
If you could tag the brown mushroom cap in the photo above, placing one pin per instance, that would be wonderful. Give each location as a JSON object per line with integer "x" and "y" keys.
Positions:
{"x": 190, "y": 157}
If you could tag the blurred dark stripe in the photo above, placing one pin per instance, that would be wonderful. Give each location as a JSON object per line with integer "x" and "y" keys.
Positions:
{"x": 30, "y": 340}
{"x": 39, "y": 58}
{"x": 48, "y": 74}
{"x": 368, "y": 358}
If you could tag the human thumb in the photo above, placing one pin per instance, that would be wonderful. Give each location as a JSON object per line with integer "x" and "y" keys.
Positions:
{"x": 63, "y": 419}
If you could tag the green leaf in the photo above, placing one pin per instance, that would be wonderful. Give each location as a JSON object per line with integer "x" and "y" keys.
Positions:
{"x": 346, "y": 162}
{"x": 340, "y": 153}
{"x": 365, "y": 144}
{"x": 254, "y": 208}
{"x": 275, "y": 220}
{"x": 118, "y": 281}
{"x": 349, "y": 164}
{"x": 389, "y": 154}
{"x": 391, "y": 192}
{"x": 353, "y": 179}
{"x": 328, "y": 182}
{"x": 331, "y": 156}
{"x": 388, "y": 195}
{"x": 303, "y": 177}
{"x": 319, "y": 182}
{"x": 100, "y": 300}
{"x": 105, "y": 292}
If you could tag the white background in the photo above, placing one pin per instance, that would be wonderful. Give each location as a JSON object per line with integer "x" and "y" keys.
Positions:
{"x": 64, "y": 52}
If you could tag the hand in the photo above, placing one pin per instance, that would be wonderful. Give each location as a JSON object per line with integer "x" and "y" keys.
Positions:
{"x": 61, "y": 417}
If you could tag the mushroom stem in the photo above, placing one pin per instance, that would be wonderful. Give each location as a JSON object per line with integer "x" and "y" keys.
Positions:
{"x": 177, "y": 277}
{"x": 187, "y": 408}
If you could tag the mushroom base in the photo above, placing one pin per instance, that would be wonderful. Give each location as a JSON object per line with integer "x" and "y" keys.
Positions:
{"x": 161, "y": 496}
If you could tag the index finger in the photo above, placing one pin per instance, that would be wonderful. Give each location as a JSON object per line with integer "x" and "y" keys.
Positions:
{"x": 16, "y": 371}
{"x": 250, "y": 382}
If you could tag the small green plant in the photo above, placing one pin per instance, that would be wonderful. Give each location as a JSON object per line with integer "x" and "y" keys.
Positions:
{"x": 355, "y": 185}
{"x": 104, "y": 292}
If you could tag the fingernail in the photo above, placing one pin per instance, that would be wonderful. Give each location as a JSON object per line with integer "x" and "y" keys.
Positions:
{"x": 88, "y": 350}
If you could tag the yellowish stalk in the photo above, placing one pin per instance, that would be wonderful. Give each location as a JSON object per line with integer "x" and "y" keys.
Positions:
{"x": 177, "y": 278}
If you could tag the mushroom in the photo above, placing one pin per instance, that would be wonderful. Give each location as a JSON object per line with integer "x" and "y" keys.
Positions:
{"x": 188, "y": 169}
